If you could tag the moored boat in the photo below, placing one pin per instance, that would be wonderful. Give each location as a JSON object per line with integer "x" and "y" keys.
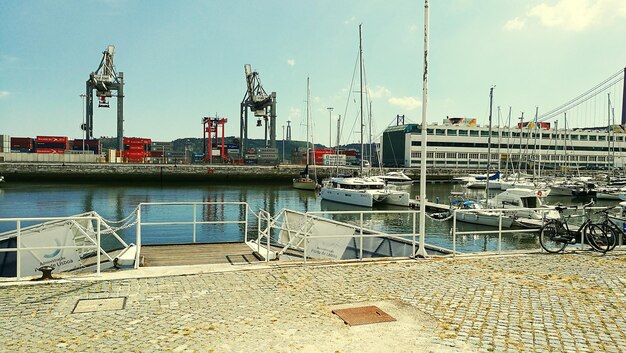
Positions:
{"x": 397, "y": 178}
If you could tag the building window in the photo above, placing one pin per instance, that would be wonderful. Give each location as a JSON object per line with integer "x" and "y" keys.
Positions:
{"x": 593, "y": 138}
{"x": 473, "y": 133}
{"x": 440, "y": 132}
{"x": 462, "y": 132}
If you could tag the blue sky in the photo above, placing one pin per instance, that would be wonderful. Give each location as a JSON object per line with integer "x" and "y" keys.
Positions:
{"x": 183, "y": 60}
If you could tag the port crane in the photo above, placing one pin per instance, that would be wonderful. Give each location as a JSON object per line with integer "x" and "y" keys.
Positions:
{"x": 105, "y": 80}
{"x": 264, "y": 107}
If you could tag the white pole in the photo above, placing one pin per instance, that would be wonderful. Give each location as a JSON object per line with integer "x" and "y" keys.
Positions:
{"x": 421, "y": 252}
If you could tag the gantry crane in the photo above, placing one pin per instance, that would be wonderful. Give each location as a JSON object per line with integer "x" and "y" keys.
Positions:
{"x": 263, "y": 106}
{"x": 105, "y": 80}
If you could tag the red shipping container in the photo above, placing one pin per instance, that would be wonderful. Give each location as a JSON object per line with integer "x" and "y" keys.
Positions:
{"x": 52, "y": 139}
{"x": 137, "y": 140}
{"x": 19, "y": 143}
{"x": 50, "y": 150}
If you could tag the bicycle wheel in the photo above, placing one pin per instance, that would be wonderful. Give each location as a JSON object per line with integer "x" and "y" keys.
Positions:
{"x": 550, "y": 240}
{"x": 597, "y": 238}
{"x": 616, "y": 234}
{"x": 612, "y": 232}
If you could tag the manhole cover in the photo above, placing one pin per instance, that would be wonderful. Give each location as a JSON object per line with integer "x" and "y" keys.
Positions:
{"x": 105, "y": 304}
{"x": 363, "y": 315}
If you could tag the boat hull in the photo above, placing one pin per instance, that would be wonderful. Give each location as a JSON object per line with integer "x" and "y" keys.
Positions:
{"x": 484, "y": 219}
{"x": 304, "y": 185}
{"x": 351, "y": 197}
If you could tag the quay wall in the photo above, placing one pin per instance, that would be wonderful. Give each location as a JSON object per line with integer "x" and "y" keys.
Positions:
{"x": 167, "y": 173}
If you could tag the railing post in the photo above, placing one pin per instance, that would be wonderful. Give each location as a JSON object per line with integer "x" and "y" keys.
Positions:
{"x": 454, "y": 213}
{"x": 98, "y": 245}
{"x": 268, "y": 234}
{"x": 245, "y": 229}
{"x": 306, "y": 234}
{"x": 361, "y": 237}
{"x": 18, "y": 254}
{"x": 500, "y": 233}
{"x": 414, "y": 231}
{"x": 194, "y": 222}
{"x": 138, "y": 237}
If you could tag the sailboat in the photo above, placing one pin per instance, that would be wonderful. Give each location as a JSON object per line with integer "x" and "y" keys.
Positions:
{"x": 359, "y": 190}
{"x": 305, "y": 182}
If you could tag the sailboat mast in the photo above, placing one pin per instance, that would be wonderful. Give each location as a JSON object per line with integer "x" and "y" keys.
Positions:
{"x": 422, "y": 227}
{"x": 361, "y": 93}
{"x": 489, "y": 143}
{"x": 308, "y": 145}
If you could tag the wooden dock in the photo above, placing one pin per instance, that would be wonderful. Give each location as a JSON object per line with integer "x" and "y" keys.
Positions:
{"x": 197, "y": 254}
{"x": 430, "y": 206}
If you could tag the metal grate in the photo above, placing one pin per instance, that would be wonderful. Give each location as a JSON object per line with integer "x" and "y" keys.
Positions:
{"x": 105, "y": 304}
{"x": 363, "y": 315}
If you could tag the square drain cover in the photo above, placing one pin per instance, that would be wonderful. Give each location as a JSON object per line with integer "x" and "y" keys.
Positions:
{"x": 105, "y": 304}
{"x": 363, "y": 315}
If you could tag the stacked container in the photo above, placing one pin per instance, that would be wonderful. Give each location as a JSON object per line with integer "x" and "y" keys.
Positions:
{"x": 136, "y": 150}
{"x": 89, "y": 145}
{"x": 5, "y": 143}
{"x": 51, "y": 144}
{"x": 22, "y": 144}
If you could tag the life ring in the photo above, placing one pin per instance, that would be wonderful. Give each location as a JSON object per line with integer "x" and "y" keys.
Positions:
{"x": 539, "y": 193}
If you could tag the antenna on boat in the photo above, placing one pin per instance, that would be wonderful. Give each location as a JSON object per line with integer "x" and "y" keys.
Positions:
{"x": 421, "y": 251}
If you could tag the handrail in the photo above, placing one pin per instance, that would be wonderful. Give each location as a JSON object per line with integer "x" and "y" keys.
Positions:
{"x": 141, "y": 223}
{"x": 19, "y": 249}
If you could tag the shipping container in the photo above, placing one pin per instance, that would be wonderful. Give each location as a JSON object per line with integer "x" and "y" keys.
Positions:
{"x": 51, "y": 139}
{"x": 19, "y": 143}
{"x": 50, "y": 150}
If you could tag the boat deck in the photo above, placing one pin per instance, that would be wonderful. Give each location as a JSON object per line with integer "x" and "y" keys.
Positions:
{"x": 197, "y": 254}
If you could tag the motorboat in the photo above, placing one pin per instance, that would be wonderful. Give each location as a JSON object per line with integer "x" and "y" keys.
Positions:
{"x": 478, "y": 214}
{"x": 362, "y": 191}
{"x": 527, "y": 202}
{"x": 396, "y": 178}
{"x": 611, "y": 193}
{"x": 480, "y": 181}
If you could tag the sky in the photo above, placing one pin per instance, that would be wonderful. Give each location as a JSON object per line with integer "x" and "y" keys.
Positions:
{"x": 184, "y": 60}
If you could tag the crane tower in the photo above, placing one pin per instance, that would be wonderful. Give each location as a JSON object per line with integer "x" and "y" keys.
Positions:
{"x": 264, "y": 107}
{"x": 105, "y": 80}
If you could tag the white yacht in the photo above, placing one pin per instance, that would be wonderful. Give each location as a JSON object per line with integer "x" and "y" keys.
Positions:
{"x": 527, "y": 200}
{"x": 397, "y": 178}
{"x": 362, "y": 191}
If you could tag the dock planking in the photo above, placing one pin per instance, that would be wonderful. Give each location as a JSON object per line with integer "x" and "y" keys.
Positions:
{"x": 197, "y": 254}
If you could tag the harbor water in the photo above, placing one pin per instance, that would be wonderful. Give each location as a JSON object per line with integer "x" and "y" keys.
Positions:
{"x": 115, "y": 202}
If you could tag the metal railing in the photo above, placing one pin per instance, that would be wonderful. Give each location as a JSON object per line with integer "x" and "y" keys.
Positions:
{"x": 19, "y": 249}
{"x": 194, "y": 223}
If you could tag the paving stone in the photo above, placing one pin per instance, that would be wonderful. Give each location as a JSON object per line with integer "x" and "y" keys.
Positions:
{"x": 532, "y": 302}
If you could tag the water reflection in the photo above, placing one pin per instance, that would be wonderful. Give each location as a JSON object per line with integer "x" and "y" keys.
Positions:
{"x": 115, "y": 202}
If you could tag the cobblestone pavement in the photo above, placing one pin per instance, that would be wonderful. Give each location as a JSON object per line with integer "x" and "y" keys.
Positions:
{"x": 533, "y": 303}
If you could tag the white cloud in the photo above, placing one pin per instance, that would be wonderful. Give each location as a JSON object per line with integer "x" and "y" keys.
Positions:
{"x": 572, "y": 15}
{"x": 408, "y": 103}
{"x": 4, "y": 94}
{"x": 291, "y": 62}
{"x": 350, "y": 20}
{"x": 294, "y": 113}
{"x": 515, "y": 24}
{"x": 379, "y": 92}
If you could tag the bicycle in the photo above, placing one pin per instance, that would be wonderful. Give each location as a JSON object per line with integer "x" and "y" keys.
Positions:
{"x": 614, "y": 232}
{"x": 556, "y": 234}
